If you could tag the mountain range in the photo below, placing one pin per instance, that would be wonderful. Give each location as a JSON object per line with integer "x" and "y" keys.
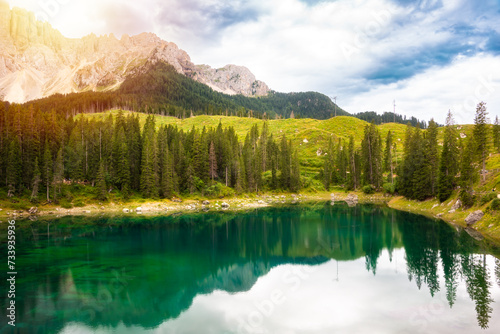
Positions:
{"x": 38, "y": 65}
{"x": 37, "y": 61}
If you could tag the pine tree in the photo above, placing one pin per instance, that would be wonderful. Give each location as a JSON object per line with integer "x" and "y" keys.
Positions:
{"x": 467, "y": 173}
{"x": 58, "y": 173}
{"x": 149, "y": 162}
{"x": 101, "y": 189}
{"x": 354, "y": 168}
{"x": 432, "y": 155}
{"x": 371, "y": 152}
{"x": 448, "y": 164}
{"x": 121, "y": 166}
{"x": 13, "y": 170}
{"x": 480, "y": 133}
{"x": 388, "y": 157}
{"x": 212, "y": 161}
{"x": 37, "y": 179}
{"x": 496, "y": 134}
{"x": 47, "y": 169}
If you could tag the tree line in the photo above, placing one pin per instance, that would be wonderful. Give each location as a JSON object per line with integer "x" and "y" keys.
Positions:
{"x": 424, "y": 170}
{"x": 40, "y": 151}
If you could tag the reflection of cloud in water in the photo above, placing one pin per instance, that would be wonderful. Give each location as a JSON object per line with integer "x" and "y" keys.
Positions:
{"x": 312, "y": 301}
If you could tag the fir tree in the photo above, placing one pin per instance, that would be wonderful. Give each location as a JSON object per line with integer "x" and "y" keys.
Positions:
{"x": 371, "y": 152}
{"x": 448, "y": 164}
{"x": 496, "y": 134}
{"x": 388, "y": 157}
{"x": 58, "y": 173}
{"x": 432, "y": 155}
{"x": 481, "y": 136}
{"x": 47, "y": 169}
{"x": 37, "y": 179}
{"x": 212, "y": 161}
{"x": 14, "y": 168}
{"x": 101, "y": 188}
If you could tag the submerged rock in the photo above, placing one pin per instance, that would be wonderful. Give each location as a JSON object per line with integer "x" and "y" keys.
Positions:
{"x": 474, "y": 217}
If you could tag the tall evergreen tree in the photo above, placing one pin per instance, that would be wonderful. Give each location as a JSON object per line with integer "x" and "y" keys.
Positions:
{"x": 13, "y": 170}
{"x": 37, "y": 179}
{"x": 47, "y": 168}
{"x": 388, "y": 166}
{"x": 432, "y": 155}
{"x": 467, "y": 173}
{"x": 101, "y": 189}
{"x": 371, "y": 152}
{"x": 58, "y": 176}
{"x": 481, "y": 136}
{"x": 149, "y": 164}
{"x": 496, "y": 135}
{"x": 212, "y": 161}
{"x": 448, "y": 164}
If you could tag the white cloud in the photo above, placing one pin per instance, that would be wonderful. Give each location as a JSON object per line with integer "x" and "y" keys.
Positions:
{"x": 459, "y": 87}
{"x": 366, "y": 52}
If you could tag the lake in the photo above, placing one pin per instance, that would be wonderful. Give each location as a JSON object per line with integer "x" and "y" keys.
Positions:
{"x": 298, "y": 269}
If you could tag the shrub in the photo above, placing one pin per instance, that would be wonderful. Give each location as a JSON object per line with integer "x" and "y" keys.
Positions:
{"x": 389, "y": 188}
{"x": 218, "y": 190}
{"x": 369, "y": 189}
{"x": 79, "y": 203}
{"x": 487, "y": 198}
{"x": 495, "y": 204}
{"x": 65, "y": 204}
{"x": 467, "y": 199}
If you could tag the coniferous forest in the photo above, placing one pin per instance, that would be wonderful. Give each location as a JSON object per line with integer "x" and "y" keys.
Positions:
{"x": 41, "y": 151}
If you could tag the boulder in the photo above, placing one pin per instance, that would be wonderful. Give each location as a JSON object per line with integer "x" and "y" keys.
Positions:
{"x": 126, "y": 210}
{"x": 138, "y": 209}
{"x": 225, "y": 205}
{"x": 474, "y": 217}
{"x": 205, "y": 202}
{"x": 352, "y": 199}
{"x": 457, "y": 205}
{"x": 33, "y": 210}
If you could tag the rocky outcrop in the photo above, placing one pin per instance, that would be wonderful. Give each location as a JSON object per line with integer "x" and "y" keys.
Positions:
{"x": 231, "y": 79}
{"x": 37, "y": 61}
{"x": 474, "y": 217}
{"x": 352, "y": 200}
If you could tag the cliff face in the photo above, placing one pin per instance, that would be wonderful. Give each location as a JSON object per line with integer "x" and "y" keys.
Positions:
{"x": 37, "y": 61}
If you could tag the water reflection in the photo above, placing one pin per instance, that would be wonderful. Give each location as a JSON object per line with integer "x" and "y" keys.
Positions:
{"x": 139, "y": 273}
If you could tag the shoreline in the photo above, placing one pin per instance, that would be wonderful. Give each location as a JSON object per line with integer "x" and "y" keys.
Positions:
{"x": 488, "y": 227}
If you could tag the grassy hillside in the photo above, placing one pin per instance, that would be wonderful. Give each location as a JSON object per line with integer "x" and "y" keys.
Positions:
{"x": 311, "y": 136}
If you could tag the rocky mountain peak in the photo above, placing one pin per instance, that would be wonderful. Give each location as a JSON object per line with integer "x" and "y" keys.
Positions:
{"x": 36, "y": 61}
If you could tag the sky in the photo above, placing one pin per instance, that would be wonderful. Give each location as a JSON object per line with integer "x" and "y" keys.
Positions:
{"x": 429, "y": 56}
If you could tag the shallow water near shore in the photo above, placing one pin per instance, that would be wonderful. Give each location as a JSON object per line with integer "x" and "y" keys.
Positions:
{"x": 296, "y": 269}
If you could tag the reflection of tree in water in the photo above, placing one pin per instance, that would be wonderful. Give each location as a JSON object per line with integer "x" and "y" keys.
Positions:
{"x": 497, "y": 270}
{"x": 200, "y": 253}
{"x": 425, "y": 241}
{"x": 477, "y": 280}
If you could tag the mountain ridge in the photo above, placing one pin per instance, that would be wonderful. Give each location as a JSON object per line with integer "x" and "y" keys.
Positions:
{"x": 37, "y": 61}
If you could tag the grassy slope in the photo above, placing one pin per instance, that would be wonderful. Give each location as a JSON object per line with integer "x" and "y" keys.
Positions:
{"x": 316, "y": 132}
